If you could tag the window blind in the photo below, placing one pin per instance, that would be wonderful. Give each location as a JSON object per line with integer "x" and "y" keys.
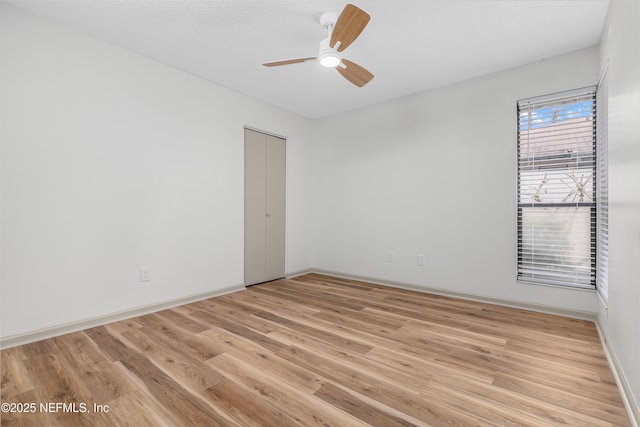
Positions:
{"x": 602, "y": 183}
{"x": 556, "y": 189}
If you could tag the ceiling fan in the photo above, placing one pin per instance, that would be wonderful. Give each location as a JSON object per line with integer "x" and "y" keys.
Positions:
{"x": 341, "y": 33}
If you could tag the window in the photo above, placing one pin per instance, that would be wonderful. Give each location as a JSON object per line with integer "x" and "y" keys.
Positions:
{"x": 556, "y": 189}
{"x": 602, "y": 184}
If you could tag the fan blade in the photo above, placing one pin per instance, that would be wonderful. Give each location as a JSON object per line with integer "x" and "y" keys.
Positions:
{"x": 350, "y": 24}
{"x": 287, "y": 62}
{"x": 354, "y": 73}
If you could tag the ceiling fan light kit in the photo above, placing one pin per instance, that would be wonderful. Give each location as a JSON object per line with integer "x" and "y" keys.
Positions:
{"x": 341, "y": 33}
{"x": 328, "y": 57}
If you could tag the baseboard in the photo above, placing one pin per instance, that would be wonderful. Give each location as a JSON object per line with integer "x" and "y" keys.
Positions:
{"x": 54, "y": 331}
{"x": 574, "y": 314}
{"x": 293, "y": 274}
{"x": 631, "y": 404}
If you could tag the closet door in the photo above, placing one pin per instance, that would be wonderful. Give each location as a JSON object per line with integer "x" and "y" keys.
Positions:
{"x": 264, "y": 230}
{"x": 275, "y": 208}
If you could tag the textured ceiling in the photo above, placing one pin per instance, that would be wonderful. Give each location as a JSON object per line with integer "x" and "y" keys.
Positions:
{"x": 409, "y": 45}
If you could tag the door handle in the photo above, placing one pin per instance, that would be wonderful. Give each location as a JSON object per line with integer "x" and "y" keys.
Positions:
{"x": 269, "y": 214}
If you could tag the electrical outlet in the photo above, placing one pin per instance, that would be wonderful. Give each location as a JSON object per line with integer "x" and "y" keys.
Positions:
{"x": 145, "y": 274}
{"x": 390, "y": 256}
{"x": 420, "y": 260}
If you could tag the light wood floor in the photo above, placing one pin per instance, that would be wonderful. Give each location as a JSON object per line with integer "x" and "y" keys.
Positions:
{"x": 322, "y": 351}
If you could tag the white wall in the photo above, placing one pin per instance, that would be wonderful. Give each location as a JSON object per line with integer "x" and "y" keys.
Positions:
{"x": 620, "y": 47}
{"x": 111, "y": 161}
{"x": 435, "y": 174}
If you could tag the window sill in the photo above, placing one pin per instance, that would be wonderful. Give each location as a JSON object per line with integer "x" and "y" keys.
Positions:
{"x": 555, "y": 285}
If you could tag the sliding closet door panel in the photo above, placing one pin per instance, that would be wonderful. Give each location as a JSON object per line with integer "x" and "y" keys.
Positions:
{"x": 255, "y": 151}
{"x": 275, "y": 206}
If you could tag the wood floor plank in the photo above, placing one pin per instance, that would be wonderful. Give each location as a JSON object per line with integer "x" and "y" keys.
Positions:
{"x": 319, "y": 333}
{"x": 125, "y": 325}
{"x": 364, "y": 320}
{"x": 394, "y": 397}
{"x": 54, "y": 384}
{"x": 165, "y": 331}
{"x": 355, "y": 361}
{"x": 352, "y": 405}
{"x": 238, "y": 329}
{"x": 245, "y": 410}
{"x": 290, "y": 292}
{"x": 271, "y": 364}
{"x": 574, "y": 401}
{"x": 301, "y": 407}
{"x": 181, "y": 365}
{"x": 165, "y": 389}
{"x": 488, "y": 411}
{"x": 126, "y": 411}
{"x": 558, "y": 375}
{"x": 87, "y": 363}
{"x": 240, "y": 313}
{"x": 317, "y": 350}
{"x": 277, "y": 305}
{"x": 15, "y": 377}
{"x": 36, "y": 418}
{"x": 546, "y": 413}
{"x": 182, "y": 321}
